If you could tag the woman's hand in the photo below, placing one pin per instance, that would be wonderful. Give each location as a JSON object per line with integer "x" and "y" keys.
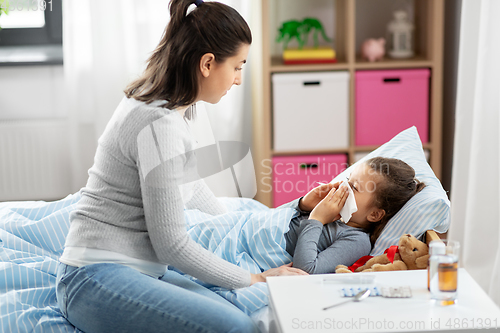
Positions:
{"x": 278, "y": 271}
{"x": 311, "y": 199}
{"x": 329, "y": 208}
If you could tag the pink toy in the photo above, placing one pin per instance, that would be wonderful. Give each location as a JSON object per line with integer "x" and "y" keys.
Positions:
{"x": 373, "y": 49}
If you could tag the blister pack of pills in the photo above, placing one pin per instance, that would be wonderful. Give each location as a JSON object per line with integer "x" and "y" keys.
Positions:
{"x": 351, "y": 292}
{"x": 389, "y": 292}
{"x": 396, "y": 292}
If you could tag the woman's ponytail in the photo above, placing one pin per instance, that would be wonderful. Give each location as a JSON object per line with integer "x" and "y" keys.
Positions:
{"x": 178, "y": 11}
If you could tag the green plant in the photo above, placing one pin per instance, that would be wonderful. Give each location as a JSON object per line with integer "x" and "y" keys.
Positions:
{"x": 300, "y": 30}
{"x": 4, "y": 7}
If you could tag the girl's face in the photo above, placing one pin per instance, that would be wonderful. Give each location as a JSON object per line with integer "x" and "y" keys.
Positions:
{"x": 218, "y": 78}
{"x": 363, "y": 181}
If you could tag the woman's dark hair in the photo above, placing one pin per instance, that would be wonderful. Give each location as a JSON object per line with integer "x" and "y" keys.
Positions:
{"x": 398, "y": 185}
{"x": 172, "y": 70}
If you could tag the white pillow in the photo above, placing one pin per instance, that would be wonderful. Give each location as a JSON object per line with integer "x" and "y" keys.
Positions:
{"x": 428, "y": 209}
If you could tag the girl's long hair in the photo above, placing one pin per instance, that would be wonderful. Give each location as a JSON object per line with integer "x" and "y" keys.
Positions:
{"x": 172, "y": 71}
{"x": 398, "y": 185}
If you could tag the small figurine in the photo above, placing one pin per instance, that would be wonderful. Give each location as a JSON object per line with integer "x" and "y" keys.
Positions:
{"x": 373, "y": 49}
{"x": 400, "y": 31}
{"x": 289, "y": 30}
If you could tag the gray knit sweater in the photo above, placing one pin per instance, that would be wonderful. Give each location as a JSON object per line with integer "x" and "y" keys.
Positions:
{"x": 318, "y": 248}
{"x": 142, "y": 178}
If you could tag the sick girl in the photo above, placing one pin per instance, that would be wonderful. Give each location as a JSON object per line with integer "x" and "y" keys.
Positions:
{"x": 319, "y": 241}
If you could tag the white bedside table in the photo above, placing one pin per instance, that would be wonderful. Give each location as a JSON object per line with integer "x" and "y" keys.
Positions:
{"x": 297, "y": 302}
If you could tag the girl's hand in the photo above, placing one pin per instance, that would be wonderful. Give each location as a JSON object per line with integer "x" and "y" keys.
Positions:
{"x": 311, "y": 199}
{"x": 329, "y": 208}
{"x": 278, "y": 271}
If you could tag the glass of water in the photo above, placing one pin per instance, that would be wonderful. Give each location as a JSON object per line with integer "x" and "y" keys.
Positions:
{"x": 443, "y": 276}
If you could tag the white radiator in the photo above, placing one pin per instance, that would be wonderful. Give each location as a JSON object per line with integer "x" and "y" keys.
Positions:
{"x": 34, "y": 160}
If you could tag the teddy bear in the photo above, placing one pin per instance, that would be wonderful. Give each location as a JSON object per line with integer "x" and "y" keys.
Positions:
{"x": 411, "y": 253}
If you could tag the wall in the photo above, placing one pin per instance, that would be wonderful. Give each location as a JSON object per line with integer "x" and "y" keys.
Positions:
{"x": 34, "y": 149}
{"x": 32, "y": 92}
{"x": 451, "y": 46}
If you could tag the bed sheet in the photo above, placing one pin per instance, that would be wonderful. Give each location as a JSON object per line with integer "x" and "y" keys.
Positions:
{"x": 250, "y": 236}
{"x": 31, "y": 240}
{"x": 32, "y": 237}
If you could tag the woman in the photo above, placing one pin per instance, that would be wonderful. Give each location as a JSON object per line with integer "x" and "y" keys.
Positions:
{"x": 129, "y": 224}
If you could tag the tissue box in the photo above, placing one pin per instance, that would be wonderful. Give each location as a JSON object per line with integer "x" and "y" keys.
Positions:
{"x": 390, "y": 101}
{"x": 294, "y": 176}
{"x": 310, "y": 111}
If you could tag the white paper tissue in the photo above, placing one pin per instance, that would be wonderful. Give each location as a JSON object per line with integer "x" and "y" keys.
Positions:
{"x": 350, "y": 206}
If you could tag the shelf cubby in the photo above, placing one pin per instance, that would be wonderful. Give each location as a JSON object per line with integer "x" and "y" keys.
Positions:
{"x": 349, "y": 22}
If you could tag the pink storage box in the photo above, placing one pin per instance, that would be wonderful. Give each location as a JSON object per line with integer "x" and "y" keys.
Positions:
{"x": 294, "y": 176}
{"x": 390, "y": 101}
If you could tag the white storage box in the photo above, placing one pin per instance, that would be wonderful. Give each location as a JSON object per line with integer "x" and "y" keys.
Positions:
{"x": 310, "y": 111}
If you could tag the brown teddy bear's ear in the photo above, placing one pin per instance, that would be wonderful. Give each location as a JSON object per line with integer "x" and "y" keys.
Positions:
{"x": 406, "y": 247}
{"x": 404, "y": 238}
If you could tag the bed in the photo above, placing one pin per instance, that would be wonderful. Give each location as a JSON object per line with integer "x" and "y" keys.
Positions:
{"x": 32, "y": 235}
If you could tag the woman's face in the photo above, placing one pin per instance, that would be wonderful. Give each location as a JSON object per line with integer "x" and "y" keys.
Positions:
{"x": 363, "y": 181}
{"x": 218, "y": 78}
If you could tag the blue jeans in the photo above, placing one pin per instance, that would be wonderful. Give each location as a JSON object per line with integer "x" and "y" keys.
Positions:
{"x": 117, "y": 298}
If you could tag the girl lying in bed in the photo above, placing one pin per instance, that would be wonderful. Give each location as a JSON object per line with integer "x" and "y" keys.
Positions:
{"x": 318, "y": 241}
